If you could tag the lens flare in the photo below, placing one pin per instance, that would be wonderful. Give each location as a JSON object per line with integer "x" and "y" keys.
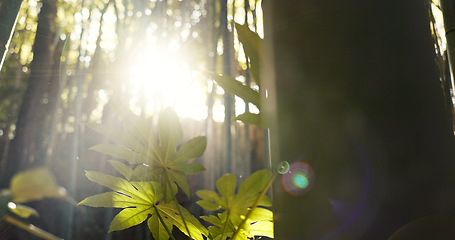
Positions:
{"x": 283, "y": 167}
{"x": 298, "y": 177}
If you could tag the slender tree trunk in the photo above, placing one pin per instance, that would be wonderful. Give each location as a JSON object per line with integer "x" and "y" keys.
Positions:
{"x": 9, "y": 11}
{"x": 26, "y": 145}
{"x": 358, "y": 98}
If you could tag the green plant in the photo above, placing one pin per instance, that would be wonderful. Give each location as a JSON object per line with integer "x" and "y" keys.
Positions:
{"x": 29, "y": 185}
{"x": 158, "y": 168}
{"x": 252, "y": 44}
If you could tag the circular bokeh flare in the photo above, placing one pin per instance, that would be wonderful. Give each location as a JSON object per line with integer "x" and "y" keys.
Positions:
{"x": 297, "y": 178}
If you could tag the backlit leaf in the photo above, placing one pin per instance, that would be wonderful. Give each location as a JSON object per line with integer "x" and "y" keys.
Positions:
{"x": 34, "y": 184}
{"x": 252, "y": 119}
{"x": 170, "y": 131}
{"x": 252, "y": 45}
{"x": 237, "y": 88}
{"x": 254, "y": 183}
{"x": 123, "y": 169}
{"x": 120, "y": 152}
{"x": 130, "y": 217}
{"x": 170, "y": 212}
{"x": 22, "y": 210}
{"x": 226, "y": 185}
{"x": 208, "y": 205}
{"x": 193, "y": 148}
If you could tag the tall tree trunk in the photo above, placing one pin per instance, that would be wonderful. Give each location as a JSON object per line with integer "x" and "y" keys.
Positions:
{"x": 26, "y": 145}
{"x": 358, "y": 98}
{"x": 9, "y": 11}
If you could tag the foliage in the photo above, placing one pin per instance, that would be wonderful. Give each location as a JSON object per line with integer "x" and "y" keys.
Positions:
{"x": 251, "y": 44}
{"x": 30, "y": 185}
{"x": 138, "y": 200}
{"x": 158, "y": 167}
{"x": 236, "y": 207}
{"x": 157, "y": 157}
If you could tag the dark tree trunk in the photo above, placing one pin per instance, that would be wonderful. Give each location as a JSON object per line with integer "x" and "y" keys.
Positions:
{"x": 26, "y": 149}
{"x": 358, "y": 98}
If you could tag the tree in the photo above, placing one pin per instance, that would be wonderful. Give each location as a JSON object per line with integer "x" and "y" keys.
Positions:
{"x": 8, "y": 16}
{"x": 358, "y": 98}
{"x": 27, "y": 148}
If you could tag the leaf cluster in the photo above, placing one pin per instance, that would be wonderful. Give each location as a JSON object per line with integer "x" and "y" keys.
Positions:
{"x": 156, "y": 168}
{"x": 235, "y": 207}
{"x": 252, "y": 45}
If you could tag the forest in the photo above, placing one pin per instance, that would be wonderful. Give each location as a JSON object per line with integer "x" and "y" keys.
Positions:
{"x": 227, "y": 119}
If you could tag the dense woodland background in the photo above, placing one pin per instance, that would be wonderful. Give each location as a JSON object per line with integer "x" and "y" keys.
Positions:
{"x": 68, "y": 61}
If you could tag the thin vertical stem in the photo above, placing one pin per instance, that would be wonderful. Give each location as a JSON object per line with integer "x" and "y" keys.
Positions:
{"x": 9, "y": 12}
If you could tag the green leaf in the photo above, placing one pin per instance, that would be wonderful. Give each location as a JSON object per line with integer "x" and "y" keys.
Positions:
{"x": 235, "y": 87}
{"x": 123, "y": 169}
{"x": 226, "y": 185}
{"x": 130, "y": 217}
{"x": 120, "y": 152}
{"x": 142, "y": 173}
{"x": 213, "y": 220}
{"x": 252, "y": 45}
{"x": 22, "y": 210}
{"x": 169, "y": 211}
{"x": 188, "y": 168}
{"x": 35, "y": 184}
{"x": 138, "y": 200}
{"x": 252, "y": 119}
{"x": 260, "y": 223}
{"x": 157, "y": 228}
{"x": 119, "y": 136}
{"x": 261, "y": 214}
{"x": 208, "y": 205}
{"x": 137, "y": 126}
{"x": 110, "y": 199}
{"x": 171, "y": 133}
{"x": 261, "y": 228}
{"x": 180, "y": 179}
{"x": 121, "y": 185}
{"x": 208, "y": 195}
{"x": 254, "y": 183}
{"x": 194, "y": 148}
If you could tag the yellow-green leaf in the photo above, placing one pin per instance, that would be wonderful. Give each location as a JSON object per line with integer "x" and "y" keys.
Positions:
{"x": 120, "y": 152}
{"x": 111, "y": 199}
{"x": 130, "y": 217}
{"x": 254, "y": 183}
{"x": 252, "y": 119}
{"x": 208, "y": 205}
{"x": 208, "y": 195}
{"x": 35, "y": 184}
{"x": 193, "y": 148}
{"x": 22, "y": 210}
{"x": 226, "y": 185}
{"x": 171, "y": 133}
{"x": 169, "y": 211}
{"x": 235, "y": 87}
{"x": 123, "y": 169}
{"x": 252, "y": 45}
